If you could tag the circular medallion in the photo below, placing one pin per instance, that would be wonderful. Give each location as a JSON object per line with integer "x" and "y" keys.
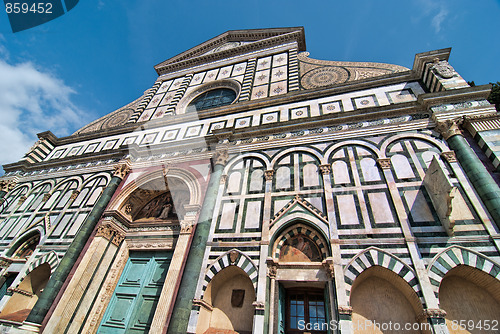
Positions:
{"x": 324, "y": 76}
{"x": 118, "y": 119}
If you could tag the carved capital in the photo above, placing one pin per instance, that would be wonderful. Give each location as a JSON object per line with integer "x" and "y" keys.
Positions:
{"x": 259, "y": 305}
{"x": 272, "y": 271}
{"x": 448, "y": 128}
{"x": 269, "y": 174}
{"x": 345, "y": 310}
{"x": 22, "y": 199}
{"x": 186, "y": 227}
{"x": 220, "y": 157}
{"x": 325, "y": 169}
{"x": 431, "y": 313}
{"x": 5, "y": 262}
{"x": 449, "y": 156}
{"x": 117, "y": 240}
{"x": 74, "y": 194}
{"x": 109, "y": 232}
{"x": 202, "y": 303}
{"x": 384, "y": 163}
{"x": 223, "y": 179}
{"x": 46, "y": 197}
{"x": 7, "y": 185}
{"x": 121, "y": 170}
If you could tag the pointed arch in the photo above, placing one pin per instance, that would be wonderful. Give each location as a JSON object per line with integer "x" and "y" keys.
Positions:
{"x": 374, "y": 256}
{"x": 454, "y": 256}
{"x": 239, "y": 259}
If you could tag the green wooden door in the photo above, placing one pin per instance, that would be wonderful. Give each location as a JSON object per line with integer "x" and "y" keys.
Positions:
{"x": 134, "y": 300}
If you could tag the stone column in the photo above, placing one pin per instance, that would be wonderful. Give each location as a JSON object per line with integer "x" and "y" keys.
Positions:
{"x": 335, "y": 264}
{"x": 161, "y": 318}
{"x": 261, "y": 316}
{"x": 481, "y": 179}
{"x": 42, "y": 306}
{"x": 184, "y": 301}
{"x": 271, "y": 272}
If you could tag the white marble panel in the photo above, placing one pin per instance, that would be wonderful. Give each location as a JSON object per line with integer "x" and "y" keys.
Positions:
{"x": 279, "y": 73}
{"x": 234, "y": 182}
{"x": 283, "y": 178}
{"x": 340, "y": 173}
{"x": 227, "y": 217}
{"x": 402, "y": 167}
{"x": 310, "y": 175}
{"x": 256, "y": 180}
{"x": 419, "y": 209}
{"x": 380, "y": 208}
{"x": 252, "y": 218}
{"x": 264, "y": 63}
{"x": 370, "y": 170}
{"x": 347, "y": 209}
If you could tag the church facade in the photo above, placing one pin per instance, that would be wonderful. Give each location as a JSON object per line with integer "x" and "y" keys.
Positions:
{"x": 253, "y": 189}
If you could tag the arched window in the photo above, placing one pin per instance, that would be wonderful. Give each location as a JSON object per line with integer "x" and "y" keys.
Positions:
{"x": 212, "y": 99}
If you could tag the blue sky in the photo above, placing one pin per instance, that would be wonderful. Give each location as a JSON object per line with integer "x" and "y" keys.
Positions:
{"x": 100, "y": 56}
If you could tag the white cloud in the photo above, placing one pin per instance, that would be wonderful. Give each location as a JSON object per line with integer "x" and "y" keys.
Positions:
{"x": 437, "y": 10}
{"x": 32, "y": 101}
{"x": 439, "y": 18}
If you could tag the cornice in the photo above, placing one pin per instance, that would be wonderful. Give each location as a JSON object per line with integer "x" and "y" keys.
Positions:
{"x": 261, "y": 38}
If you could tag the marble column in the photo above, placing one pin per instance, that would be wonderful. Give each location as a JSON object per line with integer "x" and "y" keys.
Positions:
{"x": 42, "y": 306}
{"x": 187, "y": 290}
{"x": 481, "y": 179}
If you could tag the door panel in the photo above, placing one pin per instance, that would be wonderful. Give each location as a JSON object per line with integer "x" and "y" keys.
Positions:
{"x": 134, "y": 300}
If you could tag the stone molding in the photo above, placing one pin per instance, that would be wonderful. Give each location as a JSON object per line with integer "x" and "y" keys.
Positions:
{"x": 443, "y": 69}
{"x": 20, "y": 291}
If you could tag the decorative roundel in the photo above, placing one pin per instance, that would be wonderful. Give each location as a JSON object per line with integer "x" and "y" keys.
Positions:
{"x": 118, "y": 119}
{"x": 324, "y": 76}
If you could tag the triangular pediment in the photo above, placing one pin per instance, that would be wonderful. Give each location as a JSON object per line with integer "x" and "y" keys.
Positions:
{"x": 232, "y": 43}
{"x": 299, "y": 204}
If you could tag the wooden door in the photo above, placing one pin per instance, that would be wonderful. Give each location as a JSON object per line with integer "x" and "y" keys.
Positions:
{"x": 134, "y": 300}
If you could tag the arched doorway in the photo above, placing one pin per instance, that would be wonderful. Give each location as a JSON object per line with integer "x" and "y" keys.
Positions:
{"x": 26, "y": 294}
{"x": 379, "y": 297}
{"x": 229, "y": 301}
{"x": 471, "y": 299}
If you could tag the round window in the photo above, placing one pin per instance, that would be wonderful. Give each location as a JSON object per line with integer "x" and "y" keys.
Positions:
{"x": 212, "y": 98}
